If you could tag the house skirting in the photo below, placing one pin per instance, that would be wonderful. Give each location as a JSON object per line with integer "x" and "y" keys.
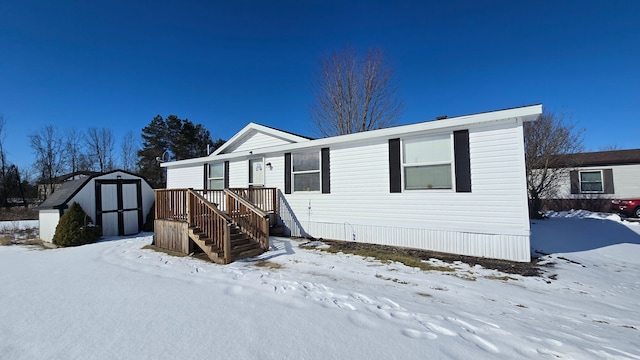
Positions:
{"x": 495, "y": 246}
{"x": 598, "y": 205}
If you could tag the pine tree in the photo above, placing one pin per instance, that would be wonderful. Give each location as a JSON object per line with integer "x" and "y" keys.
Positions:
{"x": 171, "y": 139}
{"x": 154, "y": 144}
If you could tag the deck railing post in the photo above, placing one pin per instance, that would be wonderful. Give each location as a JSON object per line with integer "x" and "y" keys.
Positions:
{"x": 273, "y": 201}
{"x": 188, "y": 194}
{"x": 227, "y": 243}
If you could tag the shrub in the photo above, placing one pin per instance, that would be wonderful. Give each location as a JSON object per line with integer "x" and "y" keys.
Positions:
{"x": 151, "y": 216}
{"x": 76, "y": 228}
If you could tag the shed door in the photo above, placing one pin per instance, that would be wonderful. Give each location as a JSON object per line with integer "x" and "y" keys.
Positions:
{"x": 119, "y": 206}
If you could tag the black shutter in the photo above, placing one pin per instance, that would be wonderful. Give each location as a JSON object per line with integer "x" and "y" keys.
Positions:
{"x": 287, "y": 173}
{"x": 395, "y": 180}
{"x": 326, "y": 172}
{"x": 205, "y": 176}
{"x": 575, "y": 183}
{"x": 462, "y": 160}
{"x": 226, "y": 175}
{"x": 607, "y": 180}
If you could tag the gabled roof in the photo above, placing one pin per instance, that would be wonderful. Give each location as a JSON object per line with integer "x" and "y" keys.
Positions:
{"x": 64, "y": 193}
{"x": 524, "y": 113}
{"x": 252, "y": 128}
{"x": 69, "y": 189}
{"x": 70, "y": 176}
{"x": 601, "y": 158}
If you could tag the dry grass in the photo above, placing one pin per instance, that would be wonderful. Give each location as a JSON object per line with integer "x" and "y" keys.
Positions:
{"x": 502, "y": 278}
{"x": 420, "y": 258}
{"x": 387, "y": 257}
{"x": 268, "y": 264}
{"x": 18, "y": 213}
{"x": 168, "y": 252}
{"x": 6, "y": 240}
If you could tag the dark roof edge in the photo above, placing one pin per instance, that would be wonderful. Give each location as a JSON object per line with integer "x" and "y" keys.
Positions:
{"x": 600, "y": 158}
{"x": 85, "y": 181}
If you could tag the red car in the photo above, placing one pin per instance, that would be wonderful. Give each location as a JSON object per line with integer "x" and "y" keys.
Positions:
{"x": 628, "y": 207}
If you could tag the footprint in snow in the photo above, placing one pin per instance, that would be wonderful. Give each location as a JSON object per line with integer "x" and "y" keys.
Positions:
{"x": 417, "y": 334}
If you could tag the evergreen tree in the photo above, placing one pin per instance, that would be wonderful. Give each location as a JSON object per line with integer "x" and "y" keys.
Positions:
{"x": 76, "y": 228}
{"x": 171, "y": 139}
{"x": 154, "y": 144}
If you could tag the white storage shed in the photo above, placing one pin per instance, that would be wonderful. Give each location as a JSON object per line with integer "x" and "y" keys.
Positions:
{"x": 118, "y": 201}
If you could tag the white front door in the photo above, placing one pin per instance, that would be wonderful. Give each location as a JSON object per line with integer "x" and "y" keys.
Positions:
{"x": 256, "y": 172}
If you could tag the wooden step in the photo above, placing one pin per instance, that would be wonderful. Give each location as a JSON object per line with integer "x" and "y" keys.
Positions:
{"x": 248, "y": 246}
{"x": 248, "y": 254}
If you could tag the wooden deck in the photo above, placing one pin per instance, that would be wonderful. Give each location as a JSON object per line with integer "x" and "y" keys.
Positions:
{"x": 227, "y": 224}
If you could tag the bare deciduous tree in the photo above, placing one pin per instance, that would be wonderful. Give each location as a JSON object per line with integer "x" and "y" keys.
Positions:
{"x": 3, "y": 166}
{"x": 354, "y": 94}
{"x": 100, "y": 146}
{"x": 47, "y": 146}
{"x": 74, "y": 157}
{"x": 547, "y": 142}
{"x": 129, "y": 149}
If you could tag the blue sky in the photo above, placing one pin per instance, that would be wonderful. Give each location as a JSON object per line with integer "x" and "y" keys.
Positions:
{"x": 117, "y": 64}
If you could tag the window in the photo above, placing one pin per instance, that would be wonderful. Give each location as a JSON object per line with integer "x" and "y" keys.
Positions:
{"x": 216, "y": 176}
{"x": 306, "y": 171}
{"x": 591, "y": 181}
{"x": 427, "y": 163}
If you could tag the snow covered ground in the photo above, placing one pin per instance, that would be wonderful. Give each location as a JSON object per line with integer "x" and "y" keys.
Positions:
{"x": 112, "y": 300}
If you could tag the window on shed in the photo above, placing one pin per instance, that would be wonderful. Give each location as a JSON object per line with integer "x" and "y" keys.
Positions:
{"x": 216, "y": 176}
{"x": 427, "y": 162}
{"x": 591, "y": 181}
{"x": 306, "y": 171}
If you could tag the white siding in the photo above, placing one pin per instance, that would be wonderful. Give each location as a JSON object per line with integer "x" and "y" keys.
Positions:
{"x": 625, "y": 182}
{"x": 48, "y": 222}
{"x": 239, "y": 173}
{"x": 185, "y": 177}
{"x": 256, "y": 140}
{"x": 490, "y": 221}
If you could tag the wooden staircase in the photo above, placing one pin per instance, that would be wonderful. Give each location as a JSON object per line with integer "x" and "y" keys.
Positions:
{"x": 227, "y": 224}
{"x": 242, "y": 246}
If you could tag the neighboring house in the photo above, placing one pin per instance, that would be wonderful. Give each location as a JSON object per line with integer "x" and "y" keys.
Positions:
{"x": 454, "y": 185}
{"x": 117, "y": 201}
{"x": 592, "y": 179}
{"x": 44, "y": 190}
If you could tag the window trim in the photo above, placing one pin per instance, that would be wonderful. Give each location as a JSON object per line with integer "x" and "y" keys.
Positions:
{"x": 451, "y": 161}
{"x": 209, "y": 178}
{"x": 318, "y": 171}
{"x": 580, "y": 182}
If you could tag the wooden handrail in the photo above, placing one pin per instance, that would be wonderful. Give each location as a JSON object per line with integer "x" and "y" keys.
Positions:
{"x": 189, "y": 206}
{"x": 213, "y": 212}
{"x": 246, "y": 203}
{"x": 252, "y": 221}
{"x": 263, "y": 198}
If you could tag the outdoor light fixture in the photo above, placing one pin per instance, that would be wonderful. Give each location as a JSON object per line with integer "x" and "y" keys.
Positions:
{"x": 269, "y": 165}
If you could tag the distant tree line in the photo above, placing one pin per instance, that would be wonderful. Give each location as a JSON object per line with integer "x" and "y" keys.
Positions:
{"x": 63, "y": 151}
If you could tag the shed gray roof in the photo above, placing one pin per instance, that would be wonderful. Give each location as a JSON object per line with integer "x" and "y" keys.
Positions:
{"x": 65, "y": 192}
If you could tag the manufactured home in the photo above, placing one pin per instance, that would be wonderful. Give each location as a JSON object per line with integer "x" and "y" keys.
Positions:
{"x": 590, "y": 180}
{"x": 117, "y": 201}
{"x": 453, "y": 185}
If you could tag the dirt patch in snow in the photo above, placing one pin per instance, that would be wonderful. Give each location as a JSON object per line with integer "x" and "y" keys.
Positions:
{"x": 510, "y": 267}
